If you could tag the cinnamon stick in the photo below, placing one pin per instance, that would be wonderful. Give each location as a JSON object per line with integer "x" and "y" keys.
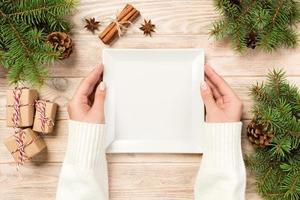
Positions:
{"x": 129, "y": 13}
{"x": 113, "y": 33}
{"x": 123, "y": 13}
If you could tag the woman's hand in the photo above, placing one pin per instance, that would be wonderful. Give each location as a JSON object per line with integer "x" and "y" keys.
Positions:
{"x": 87, "y": 105}
{"x": 222, "y": 104}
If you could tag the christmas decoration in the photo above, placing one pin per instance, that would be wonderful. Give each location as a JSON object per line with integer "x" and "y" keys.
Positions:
{"x": 264, "y": 24}
{"x": 276, "y": 110}
{"x": 44, "y": 116}
{"x": 24, "y": 145}
{"x": 235, "y": 2}
{"x": 251, "y": 40}
{"x": 257, "y": 135}
{"x": 147, "y": 27}
{"x": 119, "y": 26}
{"x": 24, "y": 29}
{"x": 20, "y": 107}
{"x": 62, "y": 43}
{"x": 92, "y": 24}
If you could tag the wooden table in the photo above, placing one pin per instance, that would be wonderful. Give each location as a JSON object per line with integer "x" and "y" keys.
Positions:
{"x": 180, "y": 24}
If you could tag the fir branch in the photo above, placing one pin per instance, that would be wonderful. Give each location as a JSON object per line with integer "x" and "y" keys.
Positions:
{"x": 246, "y": 10}
{"x": 34, "y": 10}
{"x": 20, "y": 39}
{"x": 277, "y": 166}
{"x": 277, "y": 11}
{"x": 267, "y": 44}
{"x": 24, "y": 27}
{"x": 39, "y": 12}
{"x": 292, "y": 187}
{"x": 272, "y": 195}
{"x": 266, "y": 24}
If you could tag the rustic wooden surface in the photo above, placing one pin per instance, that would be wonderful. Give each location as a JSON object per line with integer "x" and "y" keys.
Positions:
{"x": 180, "y": 24}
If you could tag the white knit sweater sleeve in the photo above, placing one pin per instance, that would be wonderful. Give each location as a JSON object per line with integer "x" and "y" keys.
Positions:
{"x": 222, "y": 171}
{"x": 84, "y": 172}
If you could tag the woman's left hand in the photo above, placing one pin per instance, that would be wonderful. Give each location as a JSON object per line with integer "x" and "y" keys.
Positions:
{"x": 87, "y": 105}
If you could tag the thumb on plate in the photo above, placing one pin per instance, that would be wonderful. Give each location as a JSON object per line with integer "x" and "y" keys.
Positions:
{"x": 100, "y": 97}
{"x": 207, "y": 96}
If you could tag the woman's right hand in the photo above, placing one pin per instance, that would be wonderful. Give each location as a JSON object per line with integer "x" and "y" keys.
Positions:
{"x": 222, "y": 104}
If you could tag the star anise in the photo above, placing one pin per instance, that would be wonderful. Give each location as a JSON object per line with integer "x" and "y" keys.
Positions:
{"x": 147, "y": 27}
{"x": 92, "y": 24}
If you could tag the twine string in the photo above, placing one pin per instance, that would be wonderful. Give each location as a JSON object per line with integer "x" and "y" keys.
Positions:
{"x": 21, "y": 148}
{"x": 17, "y": 92}
{"x": 41, "y": 110}
{"x": 20, "y": 138}
{"x": 19, "y": 133}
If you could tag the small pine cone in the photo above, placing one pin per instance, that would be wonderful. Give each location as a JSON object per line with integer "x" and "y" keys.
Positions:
{"x": 61, "y": 42}
{"x": 235, "y": 2}
{"x": 258, "y": 136}
{"x": 251, "y": 40}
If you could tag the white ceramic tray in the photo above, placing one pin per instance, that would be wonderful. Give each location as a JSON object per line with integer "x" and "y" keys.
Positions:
{"x": 153, "y": 102}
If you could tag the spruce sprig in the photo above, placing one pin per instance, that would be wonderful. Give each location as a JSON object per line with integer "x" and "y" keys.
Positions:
{"x": 277, "y": 166}
{"x": 267, "y": 24}
{"x": 25, "y": 25}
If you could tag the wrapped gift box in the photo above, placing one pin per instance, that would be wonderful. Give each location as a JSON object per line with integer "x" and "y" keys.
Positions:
{"x": 26, "y": 107}
{"x": 44, "y": 116}
{"x": 32, "y": 143}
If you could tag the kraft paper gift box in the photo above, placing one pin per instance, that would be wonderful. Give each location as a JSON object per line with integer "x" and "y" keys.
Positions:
{"x": 33, "y": 144}
{"x": 26, "y": 107}
{"x": 44, "y": 116}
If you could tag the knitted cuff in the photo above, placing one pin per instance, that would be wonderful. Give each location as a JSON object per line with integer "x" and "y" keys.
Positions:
{"x": 85, "y": 144}
{"x": 222, "y": 144}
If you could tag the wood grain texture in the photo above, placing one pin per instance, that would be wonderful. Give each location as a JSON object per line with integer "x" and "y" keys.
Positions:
{"x": 67, "y": 87}
{"x": 167, "y": 181}
{"x": 56, "y": 146}
{"x": 218, "y": 54}
{"x": 180, "y": 24}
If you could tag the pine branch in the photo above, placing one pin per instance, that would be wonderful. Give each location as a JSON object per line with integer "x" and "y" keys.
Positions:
{"x": 266, "y": 24}
{"x": 24, "y": 27}
{"x": 247, "y": 10}
{"x": 47, "y": 12}
{"x": 277, "y": 11}
{"x": 277, "y": 166}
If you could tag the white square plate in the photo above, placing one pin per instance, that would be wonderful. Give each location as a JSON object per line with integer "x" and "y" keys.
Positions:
{"x": 153, "y": 102}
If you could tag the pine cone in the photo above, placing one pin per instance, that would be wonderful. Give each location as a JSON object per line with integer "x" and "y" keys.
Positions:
{"x": 235, "y": 2}
{"x": 258, "y": 136}
{"x": 61, "y": 42}
{"x": 251, "y": 40}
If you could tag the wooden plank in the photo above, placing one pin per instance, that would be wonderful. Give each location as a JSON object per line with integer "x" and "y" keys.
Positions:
{"x": 88, "y": 53}
{"x": 167, "y": 15}
{"x": 133, "y": 181}
{"x": 145, "y": 181}
{"x": 61, "y": 90}
{"x": 218, "y": 54}
{"x": 57, "y": 144}
{"x": 37, "y": 182}
{"x": 179, "y": 25}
